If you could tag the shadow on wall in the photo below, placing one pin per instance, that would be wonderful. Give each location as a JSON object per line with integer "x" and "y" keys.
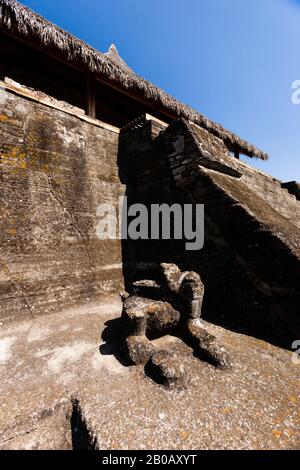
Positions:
{"x": 231, "y": 299}
{"x": 144, "y": 171}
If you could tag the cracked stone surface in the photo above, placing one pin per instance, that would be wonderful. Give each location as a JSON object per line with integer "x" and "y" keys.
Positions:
{"x": 254, "y": 405}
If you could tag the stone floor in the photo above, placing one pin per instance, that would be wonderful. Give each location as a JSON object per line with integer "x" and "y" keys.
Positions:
{"x": 65, "y": 384}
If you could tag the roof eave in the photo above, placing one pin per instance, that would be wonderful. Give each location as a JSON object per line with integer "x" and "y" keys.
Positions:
{"x": 22, "y": 22}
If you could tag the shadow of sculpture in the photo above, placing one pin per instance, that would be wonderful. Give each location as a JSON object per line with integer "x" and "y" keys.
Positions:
{"x": 113, "y": 341}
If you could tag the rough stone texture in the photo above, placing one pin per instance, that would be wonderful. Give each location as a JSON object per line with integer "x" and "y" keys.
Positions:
{"x": 40, "y": 95}
{"x": 167, "y": 364}
{"x": 139, "y": 348}
{"x": 208, "y": 344}
{"x": 254, "y": 405}
{"x": 171, "y": 275}
{"x": 147, "y": 288}
{"x": 191, "y": 293}
{"x": 146, "y": 315}
{"x": 55, "y": 170}
{"x": 273, "y": 191}
{"x": 190, "y": 146}
{"x": 143, "y": 316}
{"x": 144, "y": 170}
{"x": 250, "y": 261}
{"x": 48, "y": 433}
{"x": 200, "y": 147}
{"x": 186, "y": 287}
{"x": 293, "y": 187}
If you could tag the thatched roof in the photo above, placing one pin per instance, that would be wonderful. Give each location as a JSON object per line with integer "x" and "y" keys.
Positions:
{"x": 20, "y": 21}
{"x": 114, "y": 57}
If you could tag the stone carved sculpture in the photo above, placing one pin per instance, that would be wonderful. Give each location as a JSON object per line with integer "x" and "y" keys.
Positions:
{"x": 153, "y": 309}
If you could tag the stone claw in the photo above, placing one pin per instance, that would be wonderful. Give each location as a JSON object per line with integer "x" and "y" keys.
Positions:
{"x": 208, "y": 344}
{"x": 139, "y": 349}
{"x": 169, "y": 369}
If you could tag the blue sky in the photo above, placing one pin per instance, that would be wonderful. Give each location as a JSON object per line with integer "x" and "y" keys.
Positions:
{"x": 232, "y": 60}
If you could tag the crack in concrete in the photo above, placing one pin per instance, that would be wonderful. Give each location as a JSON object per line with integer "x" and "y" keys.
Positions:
{"x": 74, "y": 222}
{"x": 18, "y": 288}
{"x": 19, "y": 435}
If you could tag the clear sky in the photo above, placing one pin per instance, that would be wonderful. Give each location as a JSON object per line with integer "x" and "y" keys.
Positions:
{"x": 232, "y": 60}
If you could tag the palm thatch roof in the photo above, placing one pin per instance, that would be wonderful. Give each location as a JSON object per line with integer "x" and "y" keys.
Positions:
{"x": 114, "y": 57}
{"x": 21, "y": 22}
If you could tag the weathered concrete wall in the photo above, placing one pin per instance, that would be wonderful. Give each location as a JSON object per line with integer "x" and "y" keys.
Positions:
{"x": 55, "y": 169}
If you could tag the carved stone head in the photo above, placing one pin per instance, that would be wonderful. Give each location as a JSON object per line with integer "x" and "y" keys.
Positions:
{"x": 191, "y": 293}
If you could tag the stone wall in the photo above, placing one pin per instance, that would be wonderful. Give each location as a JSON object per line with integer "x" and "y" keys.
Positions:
{"x": 193, "y": 146}
{"x": 144, "y": 169}
{"x": 55, "y": 169}
{"x": 273, "y": 192}
{"x": 293, "y": 187}
{"x": 250, "y": 263}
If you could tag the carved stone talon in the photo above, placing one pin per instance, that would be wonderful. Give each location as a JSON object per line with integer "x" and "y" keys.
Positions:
{"x": 170, "y": 370}
{"x": 139, "y": 349}
{"x": 208, "y": 344}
